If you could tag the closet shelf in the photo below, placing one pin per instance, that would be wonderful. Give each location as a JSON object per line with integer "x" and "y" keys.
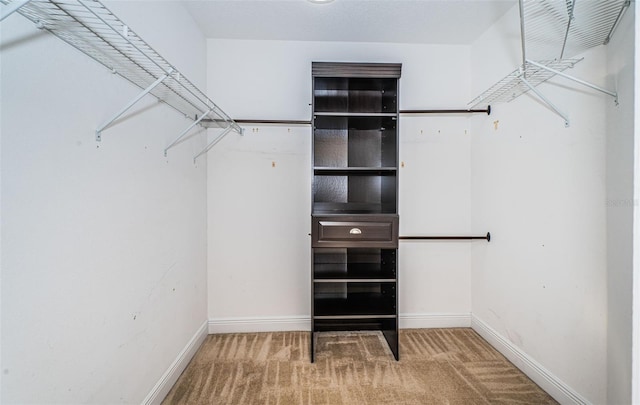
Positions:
{"x": 91, "y": 28}
{"x": 512, "y": 86}
{"x": 553, "y": 33}
{"x": 354, "y": 171}
{"x": 563, "y": 29}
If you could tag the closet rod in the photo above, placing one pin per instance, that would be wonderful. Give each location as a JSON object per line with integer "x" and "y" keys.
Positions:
{"x": 291, "y": 122}
{"x": 487, "y": 237}
{"x": 211, "y": 123}
{"x": 486, "y": 111}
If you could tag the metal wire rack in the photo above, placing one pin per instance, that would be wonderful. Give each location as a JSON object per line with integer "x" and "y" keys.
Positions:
{"x": 90, "y": 27}
{"x": 553, "y": 33}
{"x": 512, "y": 86}
{"x": 563, "y": 29}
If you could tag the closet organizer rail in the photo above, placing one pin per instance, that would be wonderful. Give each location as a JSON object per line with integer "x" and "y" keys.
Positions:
{"x": 486, "y": 237}
{"x": 459, "y": 111}
{"x": 91, "y": 28}
{"x": 212, "y": 122}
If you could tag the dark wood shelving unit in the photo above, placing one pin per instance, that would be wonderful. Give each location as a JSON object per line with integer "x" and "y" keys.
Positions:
{"x": 354, "y": 264}
{"x": 356, "y": 304}
{"x": 355, "y": 199}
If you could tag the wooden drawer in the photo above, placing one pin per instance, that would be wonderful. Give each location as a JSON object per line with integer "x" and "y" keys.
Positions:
{"x": 379, "y": 231}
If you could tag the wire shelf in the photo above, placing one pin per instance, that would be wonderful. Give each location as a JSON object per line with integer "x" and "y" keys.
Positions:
{"x": 90, "y": 27}
{"x": 563, "y": 29}
{"x": 512, "y": 86}
{"x": 553, "y": 33}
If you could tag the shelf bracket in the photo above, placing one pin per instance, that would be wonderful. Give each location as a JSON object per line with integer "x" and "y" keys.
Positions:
{"x": 130, "y": 104}
{"x": 196, "y": 122}
{"x": 214, "y": 142}
{"x": 13, "y": 7}
{"x": 625, "y": 6}
{"x": 234, "y": 124}
{"x": 575, "y": 79}
{"x": 546, "y": 100}
{"x": 572, "y": 7}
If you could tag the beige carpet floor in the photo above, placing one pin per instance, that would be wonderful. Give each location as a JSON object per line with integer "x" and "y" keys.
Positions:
{"x": 437, "y": 366}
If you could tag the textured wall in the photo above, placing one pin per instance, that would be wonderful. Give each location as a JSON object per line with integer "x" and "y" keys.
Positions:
{"x": 103, "y": 244}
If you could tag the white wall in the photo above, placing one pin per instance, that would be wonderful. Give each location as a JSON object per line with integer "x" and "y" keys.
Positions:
{"x": 259, "y": 215}
{"x": 1, "y": 246}
{"x": 542, "y": 189}
{"x": 620, "y": 206}
{"x": 635, "y": 372}
{"x": 103, "y": 244}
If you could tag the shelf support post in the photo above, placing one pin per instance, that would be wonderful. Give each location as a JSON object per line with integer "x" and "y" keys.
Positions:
{"x": 625, "y": 6}
{"x": 130, "y": 104}
{"x": 524, "y": 53}
{"x": 214, "y": 142}
{"x": 12, "y": 8}
{"x": 546, "y": 100}
{"x": 575, "y": 79}
{"x": 193, "y": 124}
{"x": 572, "y": 6}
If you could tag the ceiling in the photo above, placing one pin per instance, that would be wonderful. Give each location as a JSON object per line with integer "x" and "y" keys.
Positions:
{"x": 399, "y": 21}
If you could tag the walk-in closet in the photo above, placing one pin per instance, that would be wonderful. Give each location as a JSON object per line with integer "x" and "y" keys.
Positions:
{"x": 319, "y": 201}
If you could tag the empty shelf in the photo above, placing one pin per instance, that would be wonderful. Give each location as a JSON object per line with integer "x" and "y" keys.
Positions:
{"x": 512, "y": 86}
{"x": 90, "y": 27}
{"x": 552, "y": 33}
{"x": 563, "y": 29}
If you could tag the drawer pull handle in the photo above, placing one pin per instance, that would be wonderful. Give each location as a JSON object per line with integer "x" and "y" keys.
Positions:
{"x": 355, "y": 231}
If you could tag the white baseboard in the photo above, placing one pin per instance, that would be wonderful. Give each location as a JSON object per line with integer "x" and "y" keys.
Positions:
{"x": 560, "y": 391}
{"x": 259, "y": 324}
{"x": 427, "y": 321}
{"x": 303, "y": 323}
{"x": 169, "y": 378}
